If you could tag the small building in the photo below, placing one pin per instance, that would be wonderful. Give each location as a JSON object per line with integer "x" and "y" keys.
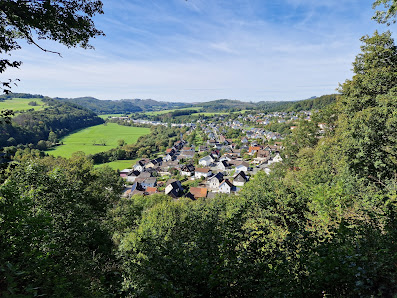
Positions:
{"x": 199, "y": 192}
{"x": 202, "y": 172}
{"x": 215, "y": 181}
{"x": 206, "y": 161}
{"x": 222, "y": 165}
{"x": 174, "y": 189}
{"x": 187, "y": 170}
{"x": 243, "y": 166}
{"x": 240, "y": 179}
{"x": 149, "y": 182}
{"x": 132, "y": 176}
{"x": 226, "y": 186}
{"x": 124, "y": 173}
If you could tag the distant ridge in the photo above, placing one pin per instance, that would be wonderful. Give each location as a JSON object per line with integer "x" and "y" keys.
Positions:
{"x": 122, "y": 106}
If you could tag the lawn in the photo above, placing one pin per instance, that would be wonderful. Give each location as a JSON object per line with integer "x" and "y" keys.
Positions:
{"x": 120, "y": 164}
{"x": 109, "y": 134}
{"x": 21, "y": 104}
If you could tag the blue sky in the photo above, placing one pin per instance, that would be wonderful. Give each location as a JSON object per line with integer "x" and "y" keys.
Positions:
{"x": 200, "y": 50}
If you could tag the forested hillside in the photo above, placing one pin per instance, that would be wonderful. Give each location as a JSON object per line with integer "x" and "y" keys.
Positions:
{"x": 33, "y": 126}
{"x": 124, "y": 106}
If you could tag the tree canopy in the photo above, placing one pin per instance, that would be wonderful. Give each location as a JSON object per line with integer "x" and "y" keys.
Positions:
{"x": 68, "y": 22}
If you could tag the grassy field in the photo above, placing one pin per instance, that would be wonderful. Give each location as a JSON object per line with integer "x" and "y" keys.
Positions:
{"x": 120, "y": 164}
{"x": 21, "y": 104}
{"x": 109, "y": 134}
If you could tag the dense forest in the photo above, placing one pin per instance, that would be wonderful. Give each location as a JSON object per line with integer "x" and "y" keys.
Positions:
{"x": 59, "y": 118}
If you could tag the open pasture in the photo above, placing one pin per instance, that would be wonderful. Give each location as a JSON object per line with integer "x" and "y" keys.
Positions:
{"x": 119, "y": 164}
{"x": 21, "y": 104}
{"x": 97, "y": 139}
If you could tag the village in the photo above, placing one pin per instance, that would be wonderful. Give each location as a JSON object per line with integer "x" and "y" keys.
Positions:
{"x": 219, "y": 165}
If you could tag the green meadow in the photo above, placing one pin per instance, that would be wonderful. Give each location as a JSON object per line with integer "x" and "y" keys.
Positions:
{"x": 119, "y": 164}
{"x": 21, "y": 104}
{"x": 85, "y": 140}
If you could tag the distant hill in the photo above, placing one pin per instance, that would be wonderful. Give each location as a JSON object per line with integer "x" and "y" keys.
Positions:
{"x": 122, "y": 106}
{"x": 226, "y": 105}
{"x": 154, "y": 105}
{"x": 313, "y": 103}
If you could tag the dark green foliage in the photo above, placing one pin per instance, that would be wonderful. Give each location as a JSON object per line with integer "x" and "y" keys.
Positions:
{"x": 68, "y": 22}
{"x": 367, "y": 124}
{"x": 317, "y": 103}
{"x": 225, "y": 105}
{"x": 19, "y": 95}
{"x": 53, "y": 238}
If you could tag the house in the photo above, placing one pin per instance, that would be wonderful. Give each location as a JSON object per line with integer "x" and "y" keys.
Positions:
{"x": 136, "y": 189}
{"x": 202, "y": 172}
{"x": 170, "y": 150}
{"x": 169, "y": 164}
{"x": 191, "y": 149}
{"x": 124, "y": 173}
{"x": 226, "y": 186}
{"x": 243, "y": 166}
{"x": 154, "y": 163}
{"x": 206, "y": 161}
{"x": 187, "y": 170}
{"x": 202, "y": 149}
{"x": 215, "y": 154}
{"x": 179, "y": 144}
{"x": 222, "y": 165}
{"x": 144, "y": 175}
{"x": 186, "y": 155}
{"x": 174, "y": 189}
{"x": 199, "y": 192}
{"x": 170, "y": 156}
{"x": 215, "y": 181}
{"x": 263, "y": 154}
{"x": 132, "y": 176}
{"x": 240, "y": 179}
{"x": 151, "y": 190}
{"x": 244, "y": 140}
{"x": 253, "y": 149}
{"x": 226, "y": 157}
{"x": 149, "y": 182}
{"x": 140, "y": 165}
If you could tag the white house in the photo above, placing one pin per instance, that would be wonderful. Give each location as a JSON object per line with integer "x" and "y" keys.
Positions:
{"x": 202, "y": 172}
{"x": 222, "y": 165}
{"x": 187, "y": 170}
{"x": 243, "y": 166}
{"x": 206, "y": 161}
{"x": 226, "y": 186}
{"x": 215, "y": 181}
